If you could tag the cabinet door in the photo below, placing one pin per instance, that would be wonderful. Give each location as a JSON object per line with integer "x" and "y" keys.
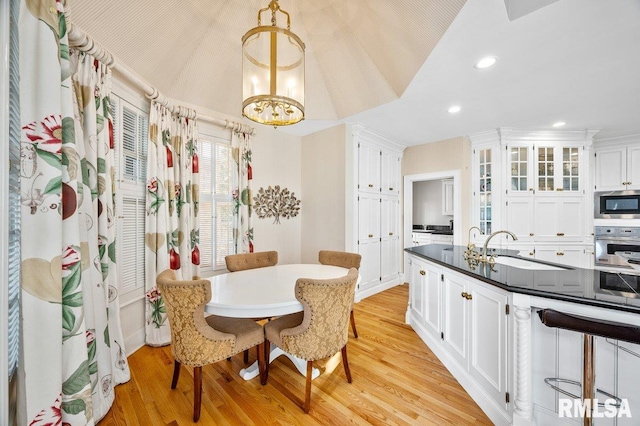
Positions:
{"x": 368, "y": 217}
{"x": 520, "y": 217}
{"x": 610, "y": 169}
{"x": 633, "y": 173}
{"x": 488, "y": 347}
{"x": 456, "y": 318}
{"x": 433, "y": 300}
{"x": 390, "y": 173}
{"x": 447, "y": 197}
{"x": 370, "y": 264}
{"x": 389, "y": 258}
{"x": 389, "y": 217}
{"x": 571, "y": 220}
{"x": 417, "y": 289}
{"x": 547, "y": 211}
{"x": 368, "y": 168}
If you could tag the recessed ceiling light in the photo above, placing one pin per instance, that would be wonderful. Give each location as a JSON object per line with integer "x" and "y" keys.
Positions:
{"x": 486, "y": 62}
{"x": 454, "y": 109}
{"x": 559, "y": 124}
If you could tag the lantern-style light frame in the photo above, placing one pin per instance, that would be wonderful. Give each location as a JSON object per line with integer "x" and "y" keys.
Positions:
{"x": 273, "y": 72}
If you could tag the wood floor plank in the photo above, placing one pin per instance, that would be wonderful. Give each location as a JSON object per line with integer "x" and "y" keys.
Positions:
{"x": 397, "y": 380}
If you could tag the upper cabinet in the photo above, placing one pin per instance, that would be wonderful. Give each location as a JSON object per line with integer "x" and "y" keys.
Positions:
{"x": 614, "y": 161}
{"x": 447, "y": 197}
{"x": 532, "y": 183}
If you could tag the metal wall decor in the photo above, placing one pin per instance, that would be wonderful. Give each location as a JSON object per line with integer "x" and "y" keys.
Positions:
{"x": 276, "y": 203}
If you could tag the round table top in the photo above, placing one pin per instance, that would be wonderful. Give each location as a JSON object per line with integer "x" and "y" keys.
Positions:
{"x": 264, "y": 292}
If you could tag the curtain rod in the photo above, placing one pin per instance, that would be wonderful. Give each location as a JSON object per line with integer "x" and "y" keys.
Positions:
{"x": 83, "y": 42}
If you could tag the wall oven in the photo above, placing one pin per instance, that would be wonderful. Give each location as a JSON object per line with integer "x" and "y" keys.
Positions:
{"x": 616, "y": 205}
{"x": 617, "y": 248}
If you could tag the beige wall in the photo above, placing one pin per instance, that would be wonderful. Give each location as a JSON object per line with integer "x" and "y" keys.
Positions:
{"x": 449, "y": 154}
{"x": 323, "y": 186}
{"x": 276, "y": 161}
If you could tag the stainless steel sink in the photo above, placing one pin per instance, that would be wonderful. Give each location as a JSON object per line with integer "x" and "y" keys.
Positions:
{"x": 527, "y": 264}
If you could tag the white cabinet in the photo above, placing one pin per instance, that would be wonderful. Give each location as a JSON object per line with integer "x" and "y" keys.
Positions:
{"x": 425, "y": 296}
{"x": 390, "y": 172}
{"x": 377, "y": 203}
{"x": 580, "y": 256}
{"x": 614, "y": 168}
{"x": 535, "y": 184}
{"x": 424, "y": 238}
{"x": 447, "y": 197}
{"x": 464, "y": 322}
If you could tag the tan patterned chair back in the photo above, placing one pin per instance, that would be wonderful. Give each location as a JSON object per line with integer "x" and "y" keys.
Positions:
{"x": 339, "y": 258}
{"x": 243, "y": 261}
{"x": 325, "y": 325}
{"x": 193, "y": 342}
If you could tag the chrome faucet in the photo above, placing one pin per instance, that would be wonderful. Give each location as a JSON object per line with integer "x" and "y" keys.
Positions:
{"x": 486, "y": 243}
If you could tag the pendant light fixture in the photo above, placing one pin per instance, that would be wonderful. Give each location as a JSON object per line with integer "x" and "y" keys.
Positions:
{"x": 273, "y": 72}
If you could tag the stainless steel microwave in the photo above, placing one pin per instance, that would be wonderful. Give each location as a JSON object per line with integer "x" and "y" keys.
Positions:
{"x": 616, "y": 205}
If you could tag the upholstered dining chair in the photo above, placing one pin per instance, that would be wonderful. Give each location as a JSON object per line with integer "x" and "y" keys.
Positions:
{"x": 321, "y": 330}
{"x": 197, "y": 340}
{"x": 345, "y": 260}
{"x": 243, "y": 261}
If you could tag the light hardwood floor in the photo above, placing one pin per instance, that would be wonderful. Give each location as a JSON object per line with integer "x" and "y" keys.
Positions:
{"x": 396, "y": 381}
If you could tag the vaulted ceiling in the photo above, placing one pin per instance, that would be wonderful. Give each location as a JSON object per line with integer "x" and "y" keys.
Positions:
{"x": 397, "y": 65}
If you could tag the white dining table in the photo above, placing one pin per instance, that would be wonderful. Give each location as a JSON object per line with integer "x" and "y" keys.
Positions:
{"x": 264, "y": 293}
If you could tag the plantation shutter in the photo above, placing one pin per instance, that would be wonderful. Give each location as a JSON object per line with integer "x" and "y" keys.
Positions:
{"x": 224, "y": 205}
{"x": 206, "y": 205}
{"x": 13, "y": 344}
{"x": 130, "y": 128}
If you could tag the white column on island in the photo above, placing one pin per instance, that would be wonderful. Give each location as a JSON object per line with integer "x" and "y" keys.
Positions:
{"x": 523, "y": 404}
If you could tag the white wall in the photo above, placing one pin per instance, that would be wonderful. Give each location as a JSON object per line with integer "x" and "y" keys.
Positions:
{"x": 427, "y": 204}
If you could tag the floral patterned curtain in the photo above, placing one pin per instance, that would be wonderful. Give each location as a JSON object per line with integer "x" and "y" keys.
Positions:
{"x": 242, "y": 176}
{"x": 172, "y": 226}
{"x": 72, "y": 343}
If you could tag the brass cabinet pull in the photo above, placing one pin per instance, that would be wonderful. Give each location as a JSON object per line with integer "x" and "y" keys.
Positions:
{"x": 422, "y": 272}
{"x": 464, "y": 294}
{"x": 370, "y": 235}
{"x": 560, "y": 234}
{"x": 530, "y": 189}
{"x": 560, "y": 253}
{"x": 390, "y": 189}
{"x": 531, "y": 253}
{"x": 469, "y": 296}
{"x": 370, "y": 185}
{"x": 531, "y": 234}
{"x": 390, "y": 233}
{"x": 559, "y": 189}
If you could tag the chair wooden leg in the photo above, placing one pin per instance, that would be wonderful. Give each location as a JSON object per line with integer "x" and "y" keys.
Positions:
{"x": 261, "y": 366}
{"x": 307, "y": 391}
{"x": 353, "y": 325}
{"x": 246, "y": 356}
{"x": 267, "y": 356}
{"x": 345, "y": 363}
{"x": 197, "y": 392}
{"x": 176, "y": 374}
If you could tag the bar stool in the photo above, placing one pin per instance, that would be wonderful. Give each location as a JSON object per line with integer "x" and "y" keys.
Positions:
{"x": 589, "y": 328}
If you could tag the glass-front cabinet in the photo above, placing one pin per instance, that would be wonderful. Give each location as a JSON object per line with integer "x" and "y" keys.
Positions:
{"x": 534, "y": 184}
{"x": 544, "y": 168}
{"x": 484, "y": 190}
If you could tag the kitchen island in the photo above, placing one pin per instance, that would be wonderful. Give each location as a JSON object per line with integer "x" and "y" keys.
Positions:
{"x": 478, "y": 320}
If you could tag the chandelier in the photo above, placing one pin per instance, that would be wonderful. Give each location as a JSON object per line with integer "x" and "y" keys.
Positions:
{"x": 273, "y": 72}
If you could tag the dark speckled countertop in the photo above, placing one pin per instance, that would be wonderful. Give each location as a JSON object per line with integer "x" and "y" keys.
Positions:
{"x": 586, "y": 286}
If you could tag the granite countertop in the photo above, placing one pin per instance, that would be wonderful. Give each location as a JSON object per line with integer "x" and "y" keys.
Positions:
{"x": 586, "y": 286}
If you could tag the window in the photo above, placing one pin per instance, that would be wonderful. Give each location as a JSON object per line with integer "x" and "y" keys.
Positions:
{"x": 216, "y": 199}
{"x": 130, "y": 128}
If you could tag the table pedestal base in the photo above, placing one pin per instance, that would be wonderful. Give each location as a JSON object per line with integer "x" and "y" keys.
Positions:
{"x": 252, "y": 371}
